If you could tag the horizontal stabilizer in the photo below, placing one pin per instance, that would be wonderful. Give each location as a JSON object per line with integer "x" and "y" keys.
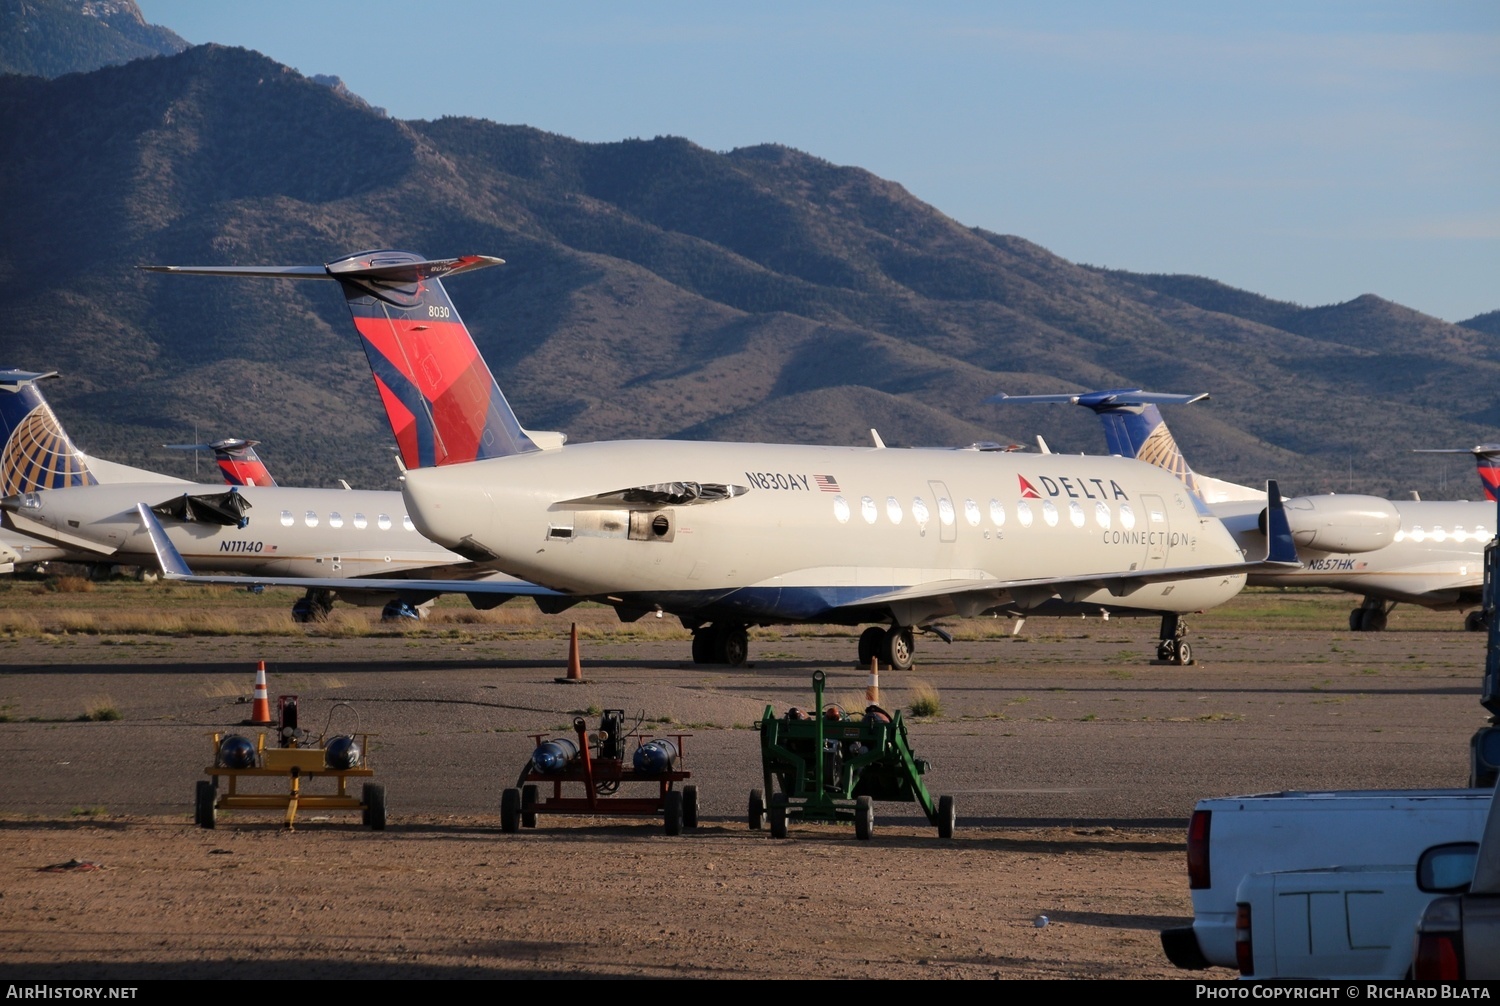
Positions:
{"x": 1100, "y": 399}
{"x": 368, "y": 267}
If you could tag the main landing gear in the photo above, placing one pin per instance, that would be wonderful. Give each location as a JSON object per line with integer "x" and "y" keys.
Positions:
{"x": 894, "y": 647}
{"x": 314, "y": 606}
{"x": 1477, "y": 621}
{"x": 1371, "y": 616}
{"x": 721, "y": 644}
{"x": 1172, "y": 647}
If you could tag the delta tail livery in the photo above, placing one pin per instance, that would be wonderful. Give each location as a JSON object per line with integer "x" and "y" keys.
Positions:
{"x": 730, "y": 535}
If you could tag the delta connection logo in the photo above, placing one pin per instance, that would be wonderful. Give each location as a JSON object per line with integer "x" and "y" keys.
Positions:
{"x": 1072, "y": 488}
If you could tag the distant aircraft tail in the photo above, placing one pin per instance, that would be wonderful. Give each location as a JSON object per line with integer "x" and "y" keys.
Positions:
{"x": 35, "y": 452}
{"x": 1486, "y": 460}
{"x": 441, "y": 399}
{"x": 237, "y": 461}
{"x": 1134, "y": 428}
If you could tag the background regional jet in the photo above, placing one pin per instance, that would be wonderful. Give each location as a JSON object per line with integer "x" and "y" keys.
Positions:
{"x": 729, "y": 535}
{"x": 84, "y": 510}
{"x": 1427, "y": 553}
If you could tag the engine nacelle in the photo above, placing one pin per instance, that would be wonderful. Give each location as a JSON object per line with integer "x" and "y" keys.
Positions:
{"x": 1341, "y": 522}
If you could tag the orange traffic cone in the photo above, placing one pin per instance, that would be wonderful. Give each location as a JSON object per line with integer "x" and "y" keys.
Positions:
{"x": 260, "y": 710}
{"x": 575, "y": 666}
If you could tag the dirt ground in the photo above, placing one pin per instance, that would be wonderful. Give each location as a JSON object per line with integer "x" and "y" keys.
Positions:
{"x": 449, "y": 898}
{"x": 1074, "y": 762}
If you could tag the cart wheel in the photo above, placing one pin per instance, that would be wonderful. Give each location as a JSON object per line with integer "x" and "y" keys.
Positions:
{"x": 757, "y": 809}
{"x": 672, "y": 811}
{"x": 373, "y": 797}
{"x": 204, "y": 798}
{"x": 864, "y": 818}
{"x": 778, "y": 815}
{"x": 510, "y": 811}
{"x": 690, "y": 806}
{"x": 946, "y": 817}
{"x": 530, "y": 797}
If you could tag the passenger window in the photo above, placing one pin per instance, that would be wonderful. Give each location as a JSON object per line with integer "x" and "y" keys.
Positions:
{"x": 311, "y": 519}
{"x": 1023, "y": 513}
{"x": 287, "y": 520}
{"x": 893, "y": 510}
{"x": 360, "y": 522}
{"x": 971, "y": 513}
{"x": 1049, "y": 513}
{"x": 1101, "y": 515}
{"x": 1075, "y": 514}
{"x": 335, "y": 519}
{"x": 841, "y": 509}
{"x": 945, "y": 511}
{"x": 406, "y": 523}
{"x": 1127, "y": 516}
{"x": 383, "y": 521}
{"x": 867, "y": 509}
{"x": 997, "y": 513}
{"x": 919, "y": 510}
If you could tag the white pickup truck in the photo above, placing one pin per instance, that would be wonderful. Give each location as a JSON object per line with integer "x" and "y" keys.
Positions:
{"x": 1458, "y": 936}
{"x": 1231, "y": 838}
{"x": 1338, "y": 922}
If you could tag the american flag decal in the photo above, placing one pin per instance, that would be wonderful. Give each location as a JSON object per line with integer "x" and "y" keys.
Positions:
{"x": 827, "y": 483}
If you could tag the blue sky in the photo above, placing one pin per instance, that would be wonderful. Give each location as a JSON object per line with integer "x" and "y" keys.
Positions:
{"x": 1308, "y": 152}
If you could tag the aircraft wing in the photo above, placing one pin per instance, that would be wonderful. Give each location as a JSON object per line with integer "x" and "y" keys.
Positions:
{"x": 174, "y": 567}
{"x": 1281, "y": 557}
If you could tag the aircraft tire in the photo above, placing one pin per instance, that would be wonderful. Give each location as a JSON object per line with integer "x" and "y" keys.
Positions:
{"x": 1375, "y": 620}
{"x": 703, "y": 644}
{"x": 1184, "y": 655}
{"x": 733, "y": 645}
{"x": 897, "y": 648}
{"x": 1357, "y": 620}
{"x": 1475, "y": 621}
{"x": 870, "y": 642}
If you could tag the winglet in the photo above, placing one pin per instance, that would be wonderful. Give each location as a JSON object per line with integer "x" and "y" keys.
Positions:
{"x": 172, "y": 564}
{"x": 1279, "y": 544}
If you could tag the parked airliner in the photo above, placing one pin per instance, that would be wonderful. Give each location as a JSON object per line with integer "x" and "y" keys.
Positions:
{"x": 730, "y": 535}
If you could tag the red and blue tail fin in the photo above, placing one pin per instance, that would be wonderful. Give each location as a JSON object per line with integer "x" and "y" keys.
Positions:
{"x": 35, "y": 452}
{"x": 441, "y": 399}
{"x": 1486, "y": 460}
{"x": 238, "y": 463}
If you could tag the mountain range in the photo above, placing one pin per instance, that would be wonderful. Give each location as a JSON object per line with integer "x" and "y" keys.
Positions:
{"x": 653, "y": 289}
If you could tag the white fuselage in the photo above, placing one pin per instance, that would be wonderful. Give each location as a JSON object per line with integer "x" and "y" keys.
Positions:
{"x": 819, "y": 528}
{"x": 289, "y": 531}
{"x": 1419, "y": 552}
